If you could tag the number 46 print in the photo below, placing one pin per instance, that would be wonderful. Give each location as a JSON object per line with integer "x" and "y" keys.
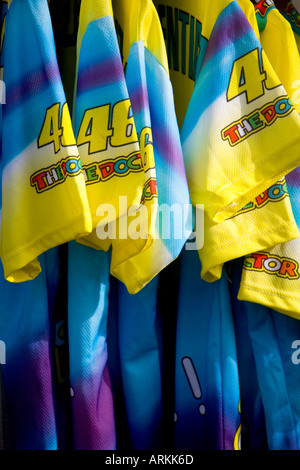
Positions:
{"x": 249, "y": 76}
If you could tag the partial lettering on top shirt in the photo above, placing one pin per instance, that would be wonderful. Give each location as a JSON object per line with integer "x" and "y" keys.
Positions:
{"x": 272, "y": 264}
{"x": 263, "y": 5}
{"x": 293, "y": 14}
{"x": 183, "y": 37}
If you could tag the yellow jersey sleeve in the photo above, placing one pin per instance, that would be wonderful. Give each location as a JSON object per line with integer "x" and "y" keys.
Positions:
{"x": 203, "y": 135}
{"x": 44, "y": 200}
{"x": 262, "y": 223}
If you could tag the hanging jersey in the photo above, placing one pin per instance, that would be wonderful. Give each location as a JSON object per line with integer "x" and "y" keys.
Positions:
{"x": 104, "y": 125}
{"x": 271, "y": 277}
{"x": 223, "y": 192}
{"x": 153, "y": 108}
{"x": 232, "y": 237}
{"x": 119, "y": 155}
{"x": 89, "y": 269}
{"x": 44, "y": 200}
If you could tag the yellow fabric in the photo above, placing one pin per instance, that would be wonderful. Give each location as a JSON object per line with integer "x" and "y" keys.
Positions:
{"x": 60, "y": 214}
{"x": 113, "y": 123}
{"x": 90, "y": 12}
{"x": 139, "y": 22}
{"x": 131, "y": 260}
{"x": 121, "y": 194}
{"x": 271, "y": 277}
{"x": 249, "y": 12}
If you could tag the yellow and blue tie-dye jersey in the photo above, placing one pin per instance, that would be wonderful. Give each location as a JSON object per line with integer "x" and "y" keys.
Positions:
{"x": 247, "y": 149}
{"x": 231, "y": 134}
{"x": 36, "y": 421}
{"x": 272, "y": 206}
{"x": 165, "y": 188}
{"x": 44, "y": 200}
{"x": 271, "y": 277}
{"x": 236, "y": 234}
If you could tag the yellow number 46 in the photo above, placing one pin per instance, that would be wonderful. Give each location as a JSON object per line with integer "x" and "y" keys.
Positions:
{"x": 248, "y": 76}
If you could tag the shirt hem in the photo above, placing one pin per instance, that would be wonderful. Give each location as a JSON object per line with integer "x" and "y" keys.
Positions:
{"x": 212, "y": 261}
{"x": 16, "y": 272}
